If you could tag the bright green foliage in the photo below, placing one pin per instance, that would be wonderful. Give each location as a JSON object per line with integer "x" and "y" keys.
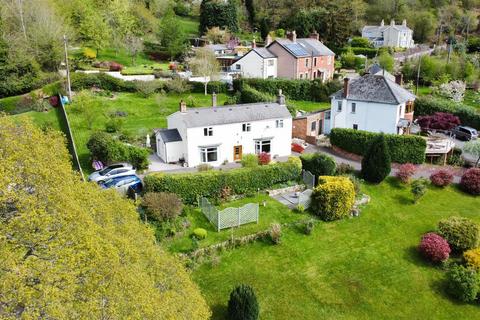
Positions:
{"x": 249, "y": 160}
{"x": 333, "y": 198}
{"x": 461, "y": 233}
{"x": 251, "y": 95}
{"x": 402, "y": 148}
{"x": 319, "y": 164}
{"x": 189, "y": 186}
{"x": 70, "y": 249}
{"x": 419, "y": 188}
{"x": 463, "y": 283}
{"x": 243, "y": 304}
{"x": 385, "y": 60}
{"x": 200, "y": 233}
{"x": 171, "y": 35}
{"x": 360, "y": 42}
{"x": 376, "y": 164}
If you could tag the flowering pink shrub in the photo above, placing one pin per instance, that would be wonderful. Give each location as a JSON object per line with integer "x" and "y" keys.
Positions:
{"x": 405, "y": 172}
{"x": 470, "y": 181}
{"x": 115, "y": 66}
{"x": 434, "y": 247}
{"x": 264, "y": 158}
{"x": 441, "y": 178}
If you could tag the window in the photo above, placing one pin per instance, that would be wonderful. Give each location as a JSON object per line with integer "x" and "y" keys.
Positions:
{"x": 208, "y": 154}
{"x": 313, "y": 126}
{"x": 262, "y": 146}
{"x": 271, "y": 62}
{"x": 339, "y": 106}
{"x": 279, "y": 123}
{"x": 301, "y": 75}
{"x": 306, "y": 62}
{"x": 238, "y": 66}
{"x": 355, "y": 127}
{"x": 208, "y": 131}
{"x": 327, "y": 115}
{"x": 314, "y": 62}
{"x": 246, "y": 127}
{"x": 354, "y": 107}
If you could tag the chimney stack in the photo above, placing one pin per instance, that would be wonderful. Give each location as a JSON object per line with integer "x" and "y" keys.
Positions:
{"x": 315, "y": 35}
{"x": 292, "y": 36}
{"x": 392, "y": 22}
{"x": 382, "y": 23}
{"x": 254, "y": 43}
{"x": 404, "y": 22}
{"x": 183, "y": 106}
{"x": 214, "y": 99}
{"x": 268, "y": 40}
{"x": 399, "y": 79}
{"x": 280, "y": 98}
{"x": 346, "y": 87}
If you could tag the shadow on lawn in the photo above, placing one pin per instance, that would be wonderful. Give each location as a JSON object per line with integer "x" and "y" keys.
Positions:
{"x": 403, "y": 200}
{"x": 219, "y": 311}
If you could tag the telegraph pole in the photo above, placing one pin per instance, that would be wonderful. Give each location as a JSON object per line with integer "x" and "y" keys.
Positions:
{"x": 418, "y": 74}
{"x": 69, "y": 87}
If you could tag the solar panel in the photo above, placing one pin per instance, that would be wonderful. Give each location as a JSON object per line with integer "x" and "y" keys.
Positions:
{"x": 296, "y": 49}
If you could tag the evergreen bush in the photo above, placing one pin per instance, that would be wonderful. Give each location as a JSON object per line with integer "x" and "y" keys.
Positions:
{"x": 462, "y": 283}
{"x": 461, "y": 233}
{"x": 376, "y": 164}
{"x": 319, "y": 164}
{"x": 242, "y": 304}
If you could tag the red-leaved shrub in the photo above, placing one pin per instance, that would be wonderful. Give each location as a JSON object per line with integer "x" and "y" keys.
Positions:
{"x": 264, "y": 158}
{"x": 434, "y": 247}
{"x": 441, "y": 178}
{"x": 405, "y": 172}
{"x": 470, "y": 181}
{"x": 115, "y": 66}
{"x": 439, "y": 121}
{"x": 297, "y": 148}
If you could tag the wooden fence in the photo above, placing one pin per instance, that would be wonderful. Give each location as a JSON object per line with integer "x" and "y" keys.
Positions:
{"x": 229, "y": 217}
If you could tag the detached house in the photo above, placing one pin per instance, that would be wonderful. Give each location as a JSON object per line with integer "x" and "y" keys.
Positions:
{"x": 215, "y": 135}
{"x": 373, "y": 103}
{"x": 392, "y": 35}
{"x": 303, "y": 58}
{"x": 257, "y": 63}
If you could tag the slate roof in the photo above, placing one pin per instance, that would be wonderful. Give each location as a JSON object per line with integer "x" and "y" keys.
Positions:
{"x": 383, "y": 28}
{"x": 169, "y": 135}
{"x": 305, "y": 47}
{"x": 377, "y": 70}
{"x": 376, "y": 88}
{"x": 209, "y": 116}
{"x": 264, "y": 53}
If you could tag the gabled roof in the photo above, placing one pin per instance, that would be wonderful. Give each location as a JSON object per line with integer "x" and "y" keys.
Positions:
{"x": 304, "y": 47}
{"x": 399, "y": 27}
{"x": 377, "y": 70}
{"x": 169, "y": 135}
{"x": 209, "y": 116}
{"x": 264, "y": 53}
{"x": 375, "y": 88}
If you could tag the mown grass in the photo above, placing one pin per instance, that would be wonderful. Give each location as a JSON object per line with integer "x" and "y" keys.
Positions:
{"x": 273, "y": 211}
{"x": 359, "y": 268}
{"x": 309, "y": 106}
{"x": 189, "y": 25}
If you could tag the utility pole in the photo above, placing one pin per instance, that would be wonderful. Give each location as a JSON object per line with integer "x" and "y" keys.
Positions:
{"x": 418, "y": 74}
{"x": 69, "y": 87}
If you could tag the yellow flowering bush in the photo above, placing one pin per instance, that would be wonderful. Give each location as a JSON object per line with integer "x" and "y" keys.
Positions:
{"x": 472, "y": 258}
{"x": 333, "y": 198}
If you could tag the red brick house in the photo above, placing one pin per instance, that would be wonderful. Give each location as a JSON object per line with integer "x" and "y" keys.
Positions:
{"x": 303, "y": 58}
{"x": 311, "y": 125}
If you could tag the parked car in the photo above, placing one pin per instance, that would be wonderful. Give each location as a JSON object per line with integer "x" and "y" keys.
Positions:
{"x": 112, "y": 171}
{"x": 123, "y": 183}
{"x": 465, "y": 133}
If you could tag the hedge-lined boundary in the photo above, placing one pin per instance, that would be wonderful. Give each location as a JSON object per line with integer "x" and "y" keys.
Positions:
{"x": 427, "y": 106}
{"x": 310, "y": 90}
{"x": 403, "y": 148}
{"x": 211, "y": 184}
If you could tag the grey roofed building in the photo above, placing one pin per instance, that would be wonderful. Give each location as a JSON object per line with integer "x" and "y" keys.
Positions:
{"x": 264, "y": 53}
{"x": 168, "y": 135}
{"x": 305, "y": 47}
{"x": 209, "y": 116}
{"x": 375, "y": 88}
{"x": 377, "y": 70}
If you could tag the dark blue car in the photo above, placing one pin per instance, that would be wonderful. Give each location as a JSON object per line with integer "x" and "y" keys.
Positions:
{"x": 122, "y": 184}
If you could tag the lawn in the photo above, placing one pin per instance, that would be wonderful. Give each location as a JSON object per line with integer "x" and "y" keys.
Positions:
{"x": 359, "y": 268}
{"x": 189, "y": 26}
{"x": 309, "y": 106}
{"x": 274, "y": 211}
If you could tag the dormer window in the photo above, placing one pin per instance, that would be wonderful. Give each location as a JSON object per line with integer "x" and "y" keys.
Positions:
{"x": 208, "y": 131}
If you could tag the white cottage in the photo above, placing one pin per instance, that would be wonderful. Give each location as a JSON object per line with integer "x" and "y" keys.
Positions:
{"x": 215, "y": 135}
{"x": 257, "y": 63}
{"x": 372, "y": 103}
{"x": 393, "y": 35}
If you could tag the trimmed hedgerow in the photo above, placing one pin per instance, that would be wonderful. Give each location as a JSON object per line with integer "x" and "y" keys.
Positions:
{"x": 333, "y": 198}
{"x": 101, "y": 80}
{"x": 251, "y": 95}
{"x": 434, "y": 247}
{"x": 470, "y": 181}
{"x": 402, "y": 148}
{"x": 461, "y": 233}
{"x": 212, "y": 86}
{"x": 190, "y": 186}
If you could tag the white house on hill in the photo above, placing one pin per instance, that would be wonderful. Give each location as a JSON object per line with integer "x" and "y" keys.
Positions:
{"x": 257, "y": 63}
{"x": 393, "y": 35}
{"x": 372, "y": 103}
{"x": 215, "y": 135}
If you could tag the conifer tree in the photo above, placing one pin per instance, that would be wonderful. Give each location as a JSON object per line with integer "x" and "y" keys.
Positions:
{"x": 376, "y": 164}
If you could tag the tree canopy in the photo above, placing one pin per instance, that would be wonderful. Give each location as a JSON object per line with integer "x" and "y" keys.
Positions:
{"x": 70, "y": 250}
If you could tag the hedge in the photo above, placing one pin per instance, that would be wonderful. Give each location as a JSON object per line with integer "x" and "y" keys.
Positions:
{"x": 402, "y": 148}
{"x": 251, "y": 95}
{"x": 212, "y": 86}
{"x": 428, "y": 105}
{"x": 313, "y": 90}
{"x": 189, "y": 186}
{"x": 80, "y": 80}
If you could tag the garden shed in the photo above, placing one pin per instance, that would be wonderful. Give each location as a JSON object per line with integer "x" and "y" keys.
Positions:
{"x": 169, "y": 145}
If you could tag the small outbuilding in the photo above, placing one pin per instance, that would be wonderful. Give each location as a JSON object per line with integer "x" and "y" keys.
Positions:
{"x": 169, "y": 145}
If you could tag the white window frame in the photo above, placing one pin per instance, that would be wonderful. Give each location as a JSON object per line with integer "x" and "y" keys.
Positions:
{"x": 208, "y": 131}
{"x": 339, "y": 106}
{"x": 259, "y": 146}
{"x": 204, "y": 151}
{"x": 246, "y": 127}
{"x": 270, "y": 62}
{"x": 279, "y": 123}
{"x": 354, "y": 107}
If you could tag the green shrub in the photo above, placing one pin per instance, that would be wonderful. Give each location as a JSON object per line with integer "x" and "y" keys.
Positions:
{"x": 462, "y": 283}
{"x": 212, "y": 86}
{"x": 376, "y": 164}
{"x": 461, "y": 233}
{"x": 251, "y": 95}
{"x": 162, "y": 206}
{"x": 189, "y": 186}
{"x": 200, "y": 233}
{"x": 402, "y": 148}
{"x": 300, "y": 208}
{"x": 146, "y": 88}
{"x": 308, "y": 226}
{"x": 319, "y": 164}
{"x": 333, "y": 198}
{"x": 80, "y": 81}
{"x": 419, "y": 188}
{"x": 113, "y": 125}
{"x": 344, "y": 168}
{"x": 204, "y": 167}
{"x": 242, "y": 304}
{"x": 249, "y": 160}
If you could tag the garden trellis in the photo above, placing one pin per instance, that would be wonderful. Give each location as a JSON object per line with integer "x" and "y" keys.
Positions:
{"x": 229, "y": 217}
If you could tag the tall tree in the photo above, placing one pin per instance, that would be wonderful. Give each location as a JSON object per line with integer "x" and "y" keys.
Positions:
{"x": 71, "y": 250}
{"x": 218, "y": 13}
{"x": 376, "y": 164}
{"x": 171, "y": 34}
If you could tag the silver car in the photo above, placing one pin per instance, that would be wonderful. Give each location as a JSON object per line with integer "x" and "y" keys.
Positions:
{"x": 112, "y": 171}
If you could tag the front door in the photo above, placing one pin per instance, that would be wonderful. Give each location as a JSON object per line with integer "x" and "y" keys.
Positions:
{"x": 237, "y": 153}
{"x": 320, "y": 127}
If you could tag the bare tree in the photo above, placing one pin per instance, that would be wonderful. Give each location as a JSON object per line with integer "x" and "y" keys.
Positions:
{"x": 134, "y": 46}
{"x": 204, "y": 64}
